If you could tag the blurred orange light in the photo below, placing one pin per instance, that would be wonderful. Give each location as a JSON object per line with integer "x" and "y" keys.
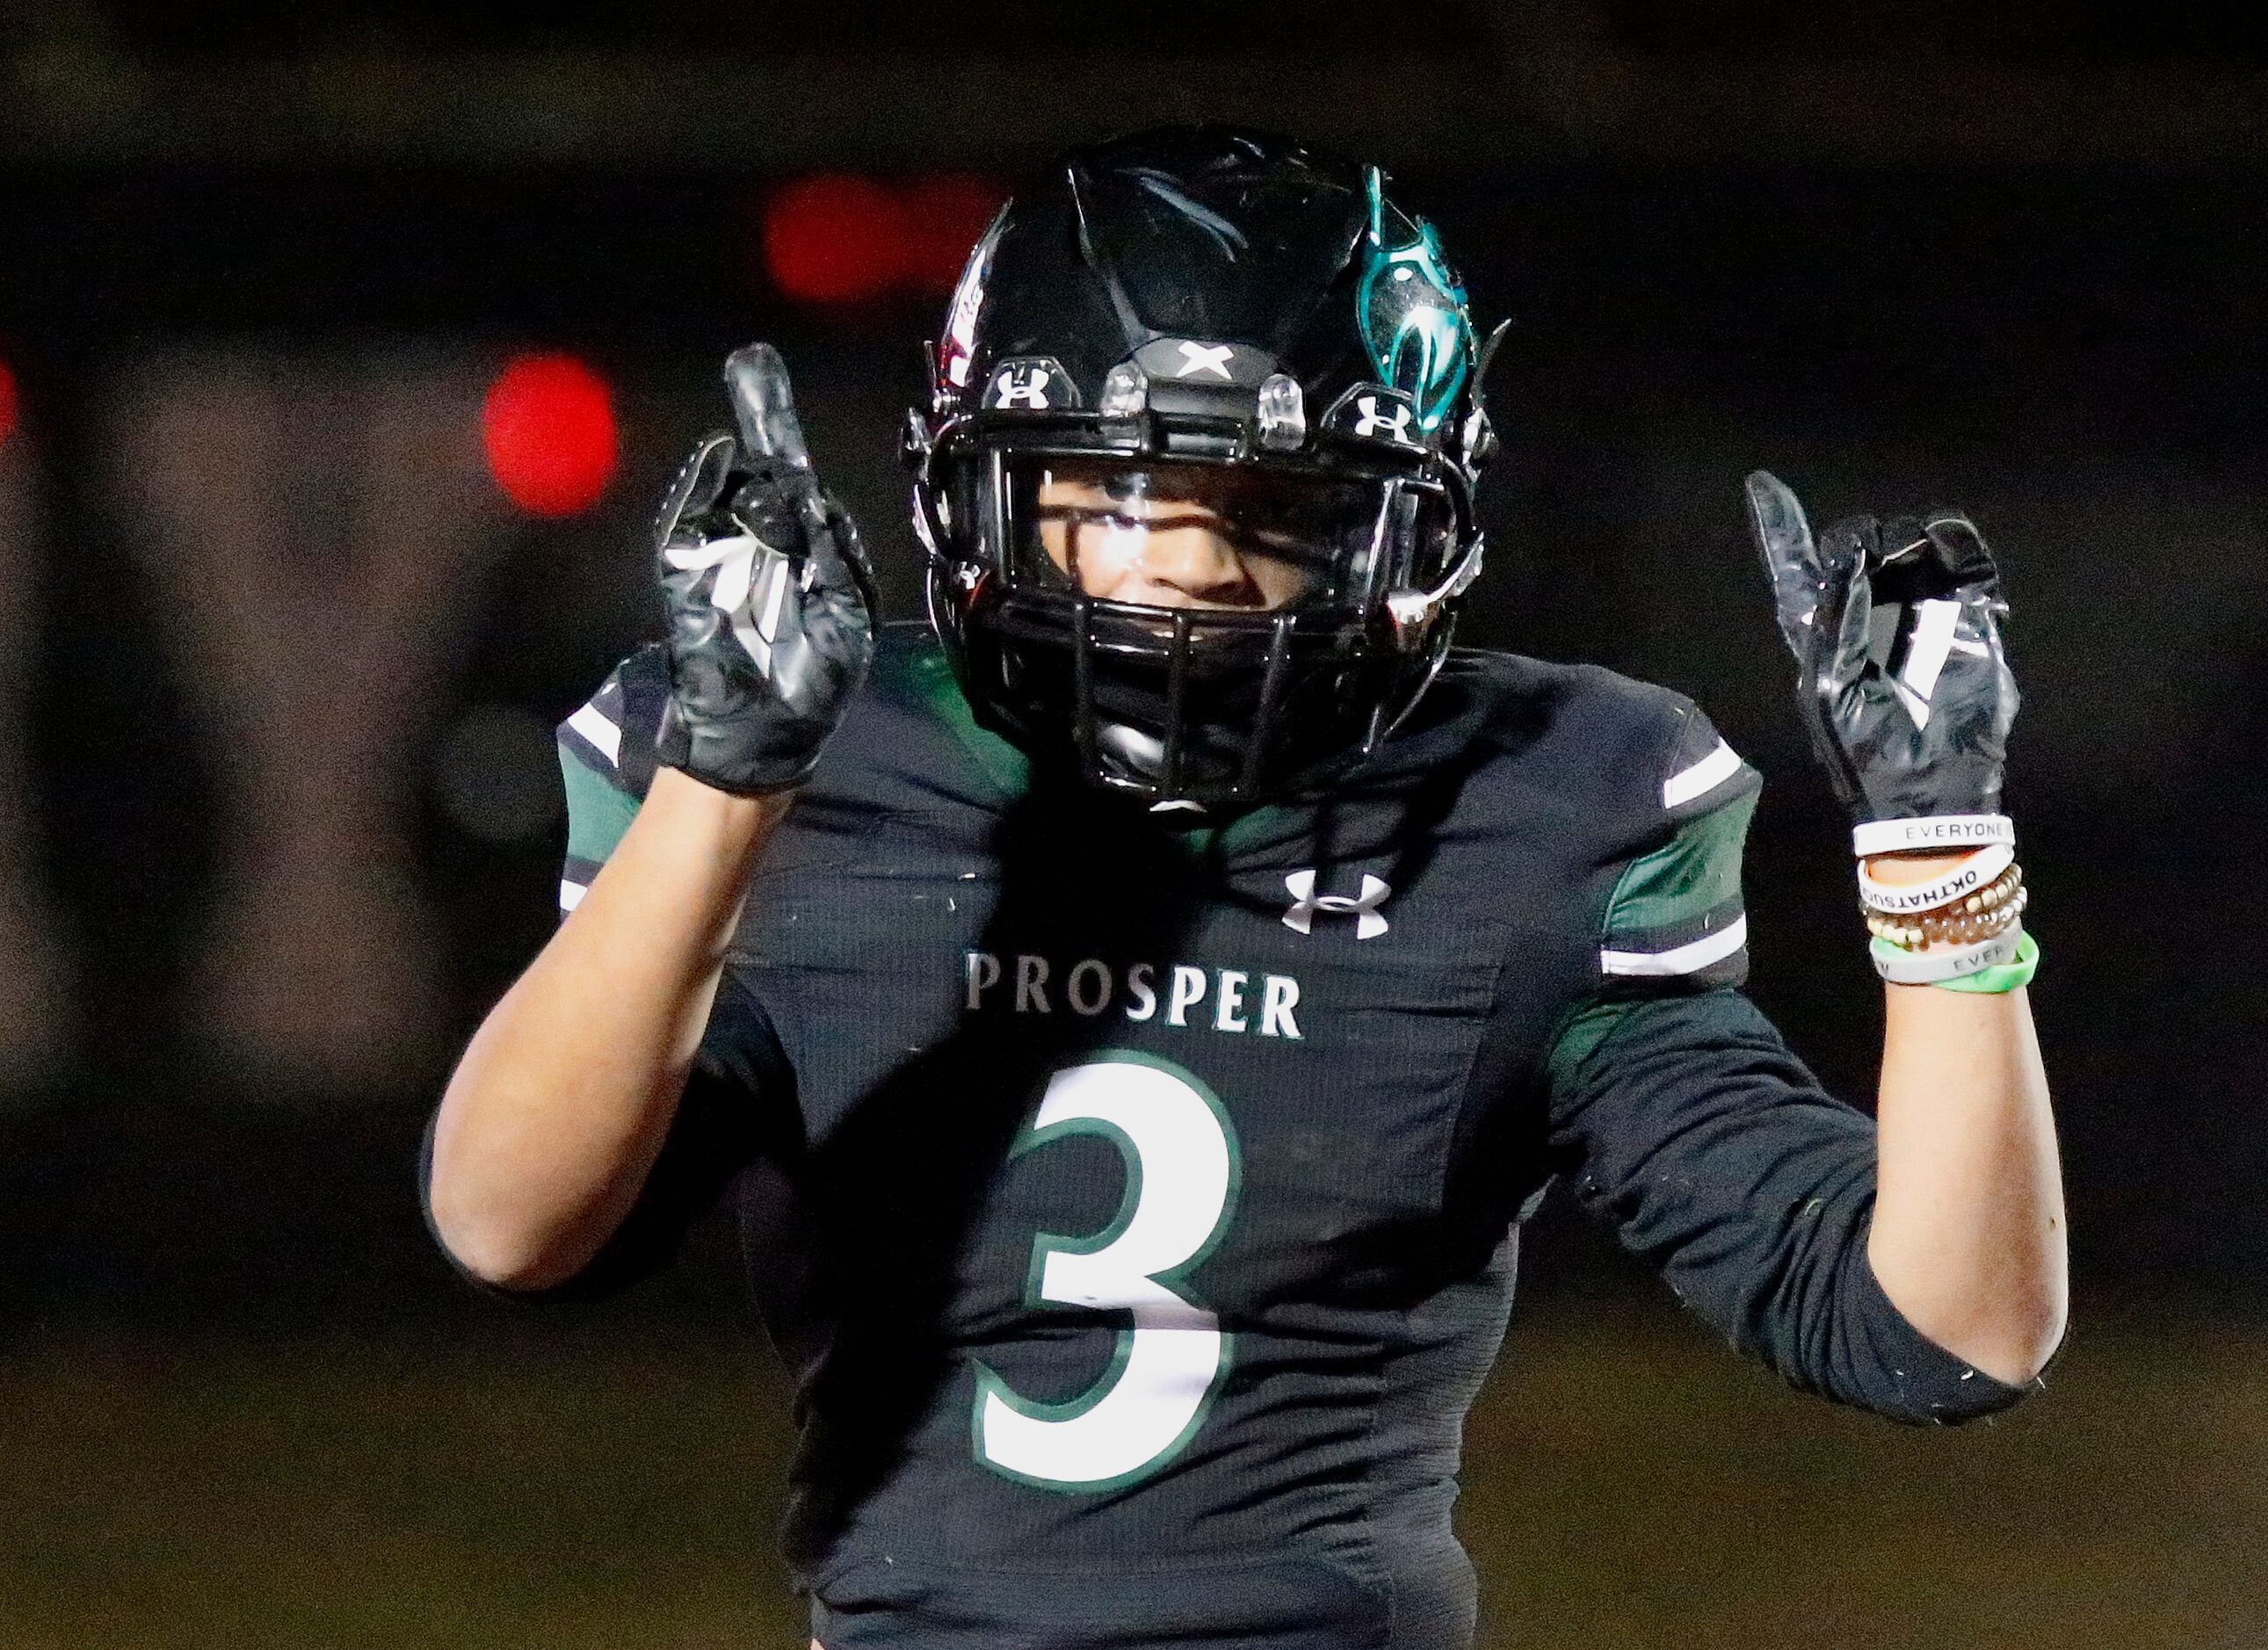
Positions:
{"x": 548, "y": 426}
{"x": 8, "y": 403}
{"x": 837, "y": 239}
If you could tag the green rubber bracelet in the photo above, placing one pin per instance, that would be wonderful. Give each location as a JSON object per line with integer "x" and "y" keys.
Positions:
{"x": 2006, "y": 978}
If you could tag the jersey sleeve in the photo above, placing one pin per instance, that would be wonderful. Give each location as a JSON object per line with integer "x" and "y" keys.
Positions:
{"x": 1688, "y": 1124}
{"x": 1679, "y": 1114}
{"x": 1675, "y": 921}
{"x": 606, "y": 765}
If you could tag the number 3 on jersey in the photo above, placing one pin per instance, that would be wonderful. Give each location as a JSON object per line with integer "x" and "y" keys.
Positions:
{"x": 1181, "y": 1178}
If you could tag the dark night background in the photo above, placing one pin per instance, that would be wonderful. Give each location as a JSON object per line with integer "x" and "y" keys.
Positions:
{"x": 2007, "y": 257}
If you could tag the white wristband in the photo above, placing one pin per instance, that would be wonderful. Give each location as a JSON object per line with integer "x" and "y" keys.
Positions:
{"x": 1927, "y": 968}
{"x": 1900, "y": 899}
{"x": 1944, "y": 832}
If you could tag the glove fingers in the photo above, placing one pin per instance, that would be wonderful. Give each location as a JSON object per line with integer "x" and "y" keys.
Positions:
{"x": 1915, "y": 723}
{"x": 763, "y": 405}
{"x": 843, "y": 534}
{"x": 1932, "y": 557}
{"x": 1847, "y": 557}
{"x": 1959, "y": 552}
{"x": 769, "y": 600}
{"x": 700, "y": 482}
{"x": 1783, "y": 538}
{"x": 823, "y": 653}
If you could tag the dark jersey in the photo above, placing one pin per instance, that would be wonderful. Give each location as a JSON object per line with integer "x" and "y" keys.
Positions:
{"x": 1137, "y": 1208}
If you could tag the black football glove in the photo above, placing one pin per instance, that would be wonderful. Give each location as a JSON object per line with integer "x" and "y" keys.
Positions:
{"x": 1896, "y": 629}
{"x": 770, "y": 601}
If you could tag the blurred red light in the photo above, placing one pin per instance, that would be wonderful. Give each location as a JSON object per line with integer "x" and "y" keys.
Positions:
{"x": 834, "y": 239}
{"x": 549, "y": 428}
{"x": 946, "y": 215}
{"x": 8, "y": 403}
{"x": 837, "y": 239}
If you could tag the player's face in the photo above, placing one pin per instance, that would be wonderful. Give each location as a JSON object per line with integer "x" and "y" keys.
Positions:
{"x": 1128, "y": 538}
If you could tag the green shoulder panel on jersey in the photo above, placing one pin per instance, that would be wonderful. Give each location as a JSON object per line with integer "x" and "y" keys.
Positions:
{"x": 1674, "y": 920}
{"x": 597, "y": 812}
{"x": 911, "y": 666}
{"x": 1686, "y": 889}
{"x": 606, "y": 764}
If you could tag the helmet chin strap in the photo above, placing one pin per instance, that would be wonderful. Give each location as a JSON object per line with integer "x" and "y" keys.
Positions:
{"x": 1414, "y": 611}
{"x": 1143, "y": 755}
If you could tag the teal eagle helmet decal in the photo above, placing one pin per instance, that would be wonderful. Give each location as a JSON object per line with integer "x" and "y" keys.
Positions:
{"x": 1412, "y": 314}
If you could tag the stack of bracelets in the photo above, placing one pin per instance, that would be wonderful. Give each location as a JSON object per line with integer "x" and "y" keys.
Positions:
{"x": 1962, "y": 928}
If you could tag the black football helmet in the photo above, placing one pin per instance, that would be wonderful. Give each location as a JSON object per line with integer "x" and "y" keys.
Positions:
{"x": 1230, "y": 337}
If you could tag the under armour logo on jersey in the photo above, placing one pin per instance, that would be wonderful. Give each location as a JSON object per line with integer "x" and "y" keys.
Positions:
{"x": 1021, "y": 386}
{"x": 1373, "y": 421}
{"x": 1362, "y": 907}
{"x": 1204, "y": 357}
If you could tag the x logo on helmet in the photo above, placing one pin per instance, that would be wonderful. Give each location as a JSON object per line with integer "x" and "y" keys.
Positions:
{"x": 1204, "y": 357}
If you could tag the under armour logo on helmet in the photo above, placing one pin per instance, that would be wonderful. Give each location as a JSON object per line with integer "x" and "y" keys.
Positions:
{"x": 1371, "y": 421}
{"x": 1203, "y": 358}
{"x": 1022, "y": 386}
{"x": 1362, "y": 907}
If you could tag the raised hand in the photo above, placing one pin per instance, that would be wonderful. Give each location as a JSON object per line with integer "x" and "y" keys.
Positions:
{"x": 770, "y": 597}
{"x": 1896, "y": 629}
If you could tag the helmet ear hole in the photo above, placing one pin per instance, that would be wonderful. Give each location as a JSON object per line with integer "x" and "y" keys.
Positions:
{"x": 1478, "y": 440}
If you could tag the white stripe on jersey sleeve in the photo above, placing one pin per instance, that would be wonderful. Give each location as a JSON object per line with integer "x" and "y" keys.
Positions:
{"x": 1702, "y": 777}
{"x": 571, "y": 894}
{"x": 1691, "y": 958}
{"x": 591, "y": 722}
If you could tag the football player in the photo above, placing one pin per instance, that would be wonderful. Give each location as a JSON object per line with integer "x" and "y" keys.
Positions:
{"x": 1134, "y": 1012}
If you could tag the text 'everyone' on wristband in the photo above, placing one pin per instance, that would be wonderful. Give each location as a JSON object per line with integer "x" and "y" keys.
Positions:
{"x": 1941, "y": 833}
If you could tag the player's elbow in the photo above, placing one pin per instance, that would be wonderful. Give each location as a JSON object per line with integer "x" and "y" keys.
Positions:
{"x": 495, "y": 1241}
{"x": 2003, "y": 1354}
{"x": 2029, "y": 1341}
{"x": 2002, "y": 1314}
{"x": 2011, "y": 1336}
{"x": 493, "y": 1252}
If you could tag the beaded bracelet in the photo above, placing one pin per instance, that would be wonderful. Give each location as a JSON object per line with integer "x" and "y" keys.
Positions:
{"x": 1966, "y": 937}
{"x": 1997, "y": 907}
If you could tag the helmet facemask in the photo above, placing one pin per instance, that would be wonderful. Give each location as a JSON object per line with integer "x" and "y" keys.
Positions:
{"x": 1195, "y": 635}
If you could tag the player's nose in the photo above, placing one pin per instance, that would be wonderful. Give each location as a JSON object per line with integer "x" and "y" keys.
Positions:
{"x": 1196, "y": 564}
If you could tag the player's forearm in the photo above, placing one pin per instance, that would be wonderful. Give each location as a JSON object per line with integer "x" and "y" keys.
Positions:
{"x": 1969, "y": 1230}
{"x": 562, "y": 1101}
